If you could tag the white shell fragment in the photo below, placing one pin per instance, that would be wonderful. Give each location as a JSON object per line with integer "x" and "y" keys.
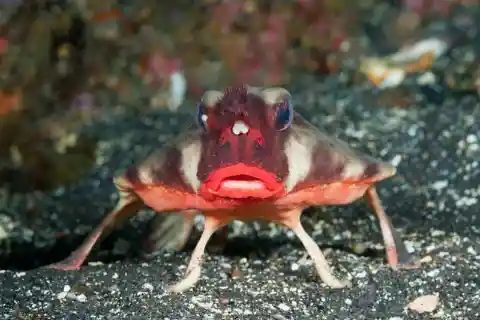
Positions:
{"x": 240, "y": 127}
{"x": 391, "y": 71}
{"x": 427, "y": 303}
{"x": 394, "y": 78}
{"x": 435, "y": 46}
{"x": 383, "y": 75}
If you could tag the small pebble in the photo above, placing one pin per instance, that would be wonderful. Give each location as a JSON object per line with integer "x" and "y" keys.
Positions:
{"x": 283, "y": 307}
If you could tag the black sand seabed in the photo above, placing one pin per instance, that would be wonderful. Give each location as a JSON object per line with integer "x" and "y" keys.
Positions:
{"x": 433, "y": 201}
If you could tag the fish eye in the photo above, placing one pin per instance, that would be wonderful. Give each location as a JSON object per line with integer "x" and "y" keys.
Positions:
{"x": 284, "y": 115}
{"x": 202, "y": 116}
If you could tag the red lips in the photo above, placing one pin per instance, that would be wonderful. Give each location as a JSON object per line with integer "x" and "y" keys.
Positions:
{"x": 241, "y": 181}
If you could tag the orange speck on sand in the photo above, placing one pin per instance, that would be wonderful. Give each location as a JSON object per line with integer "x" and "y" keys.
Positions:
{"x": 112, "y": 14}
{"x": 9, "y": 101}
{"x": 422, "y": 63}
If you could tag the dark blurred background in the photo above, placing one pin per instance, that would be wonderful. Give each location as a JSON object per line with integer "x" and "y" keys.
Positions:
{"x": 64, "y": 64}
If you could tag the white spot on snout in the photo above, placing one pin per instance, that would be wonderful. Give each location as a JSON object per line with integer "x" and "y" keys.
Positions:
{"x": 240, "y": 127}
